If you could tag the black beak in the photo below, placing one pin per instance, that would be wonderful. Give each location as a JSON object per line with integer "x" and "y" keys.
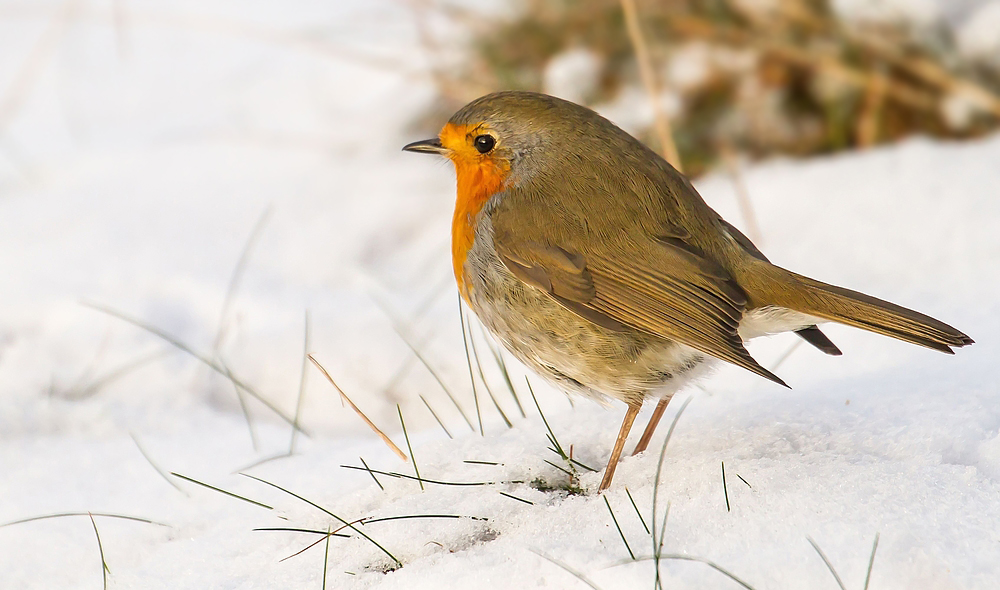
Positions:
{"x": 426, "y": 146}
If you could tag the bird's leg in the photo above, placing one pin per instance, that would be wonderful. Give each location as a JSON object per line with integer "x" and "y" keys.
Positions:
{"x": 616, "y": 453}
{"x": 653, "y": 421}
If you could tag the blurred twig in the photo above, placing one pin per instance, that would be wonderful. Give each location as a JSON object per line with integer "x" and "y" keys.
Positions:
{"x": 660, "y": 121}
{"x": 871, "y": 110}
{"x": 237, "y": 278}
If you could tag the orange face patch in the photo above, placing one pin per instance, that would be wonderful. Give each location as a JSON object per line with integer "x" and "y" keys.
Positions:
{"x": 480, "y": 176}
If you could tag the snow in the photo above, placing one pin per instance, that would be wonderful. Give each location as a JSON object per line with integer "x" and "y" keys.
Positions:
{"x": 133, "y": 178}
{"x": 919, "y": 12}
{"x": 979, "y": 35}
{"x": 573, "y": 75}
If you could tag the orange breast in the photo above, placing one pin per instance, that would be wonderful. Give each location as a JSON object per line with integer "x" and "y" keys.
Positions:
{"x": 479, "y": 178}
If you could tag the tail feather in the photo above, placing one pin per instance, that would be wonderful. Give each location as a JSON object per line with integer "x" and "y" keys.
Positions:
{"x": 817, "y": 338}
{"x": 852, "y": 308}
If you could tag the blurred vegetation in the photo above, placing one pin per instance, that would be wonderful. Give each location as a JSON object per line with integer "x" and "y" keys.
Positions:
{"x": 761, "y": 77}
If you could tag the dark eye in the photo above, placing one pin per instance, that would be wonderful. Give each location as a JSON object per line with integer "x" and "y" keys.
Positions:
{"x": 484, "y": 143}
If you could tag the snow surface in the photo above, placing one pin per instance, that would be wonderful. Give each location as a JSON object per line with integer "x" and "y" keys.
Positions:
{"x": 133, "y": 168}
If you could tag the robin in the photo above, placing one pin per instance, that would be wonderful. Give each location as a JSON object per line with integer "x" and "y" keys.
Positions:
{"x": 599, "y": 266}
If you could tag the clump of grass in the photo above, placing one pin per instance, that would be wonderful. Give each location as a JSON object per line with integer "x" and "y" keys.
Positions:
{"x": 346, "y": 523}
{"x": 783, "y": 77}
{"x": 572, "y": 484}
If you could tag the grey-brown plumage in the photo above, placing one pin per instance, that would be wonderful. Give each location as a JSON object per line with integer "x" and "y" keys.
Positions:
{"x": 600, "y": 266}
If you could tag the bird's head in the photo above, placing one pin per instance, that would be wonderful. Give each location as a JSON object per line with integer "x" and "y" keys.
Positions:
{"x": 508, "y": 137}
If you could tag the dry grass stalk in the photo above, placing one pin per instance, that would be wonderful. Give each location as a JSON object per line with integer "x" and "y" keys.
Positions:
{"x": 903, "y": 93}
{"x": 742, "y": 194}
{"x": 392, "y": 446}
{"x": 871, "y": 111}
{"x": 932, "y": 74}
{"x": 660, "y": 122}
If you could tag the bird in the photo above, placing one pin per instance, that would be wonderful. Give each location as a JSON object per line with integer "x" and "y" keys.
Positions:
{"x": 599, "y": 266}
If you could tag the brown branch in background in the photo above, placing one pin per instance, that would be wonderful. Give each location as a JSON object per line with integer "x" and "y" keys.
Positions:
{"x": 392, "y": 446}
{"x": 742, "y": 194}
{"x": 932, "y": 74}
{"x": 871, "y": 110}
{"x": 888, "y": 50}
{"x": 660, "y": 121}
{"x": 901, "y": 92}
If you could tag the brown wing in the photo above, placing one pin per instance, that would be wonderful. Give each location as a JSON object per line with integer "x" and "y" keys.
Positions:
{"x": 811, "y": 334}
{"x": 660, "y": 286}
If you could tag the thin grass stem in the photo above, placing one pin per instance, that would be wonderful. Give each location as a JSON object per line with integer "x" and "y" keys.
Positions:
{"x": 318, "y": 507}
{"x": 117, "y": 373}
{"x": 91, "y": 514}
{"x": 419, "y": 516}
{"x": 637, "y": 513}
{"x": 281, "y": 455}
{"x": 370, "y": 472}
{"x": 409, "y": 448}
{"x": 105, "y": 570}
{"x": 617, "y": 526}
{"x": 326, "y": 556}
{"x": 221, "y": 491}
{"x": 725, "y": 490}
{"x": 433, "y": 481}
{"x": 163, "y": 474}
{"x": 302, "y": 386}
{"x": 791, "y": 349}
{"x": 829, "y": 565}
{"x": 298, "y": 530}
{"x": 567, "y": 568}
{"x": 502, "y": 364}
{"x": 433, "y": 413}
{"x": 468, "y": 360}
{"x": 708, "y": 562}
{"x": 513, "y": 497}
{"x": 437, "y": 377}
{"x": 656, "y": 487}
{"x": 482, "y": 377}
{"x": 237, "y": 277}
{"x": 552, "y": 435}
{"x": 243, "y": 408}
{"x": 871, "y": 562}
{"x": 663, "y": 531}
{"x": 205, "y": 360}
{"x": 566, "y": 471}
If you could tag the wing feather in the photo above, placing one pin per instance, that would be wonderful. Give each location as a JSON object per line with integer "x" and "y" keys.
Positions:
{"x": 659, "y": 287}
